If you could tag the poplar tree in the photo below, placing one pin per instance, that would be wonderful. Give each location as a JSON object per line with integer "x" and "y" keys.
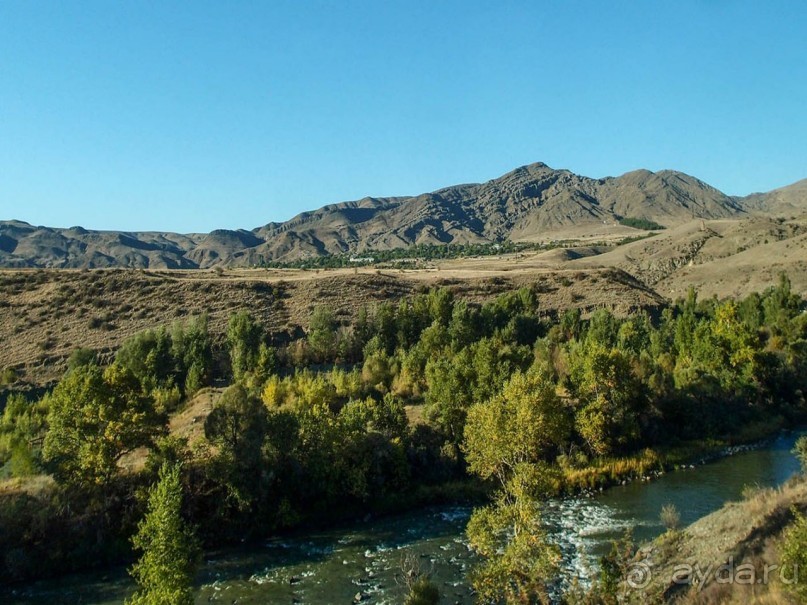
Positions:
{"x": 170, "y": 549}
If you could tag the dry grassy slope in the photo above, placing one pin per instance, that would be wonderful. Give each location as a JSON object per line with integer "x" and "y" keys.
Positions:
{"x": 745, "y": 532}
{"x": 721, "y": 257}
{"x": 45, "y": 315}
{"x": 189, "y": 422}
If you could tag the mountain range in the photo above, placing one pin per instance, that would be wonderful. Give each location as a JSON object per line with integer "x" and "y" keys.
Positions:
{"x": 533, "y": 203}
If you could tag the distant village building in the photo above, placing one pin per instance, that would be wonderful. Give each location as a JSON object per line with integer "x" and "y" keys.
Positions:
{"x": 362, "y": 259}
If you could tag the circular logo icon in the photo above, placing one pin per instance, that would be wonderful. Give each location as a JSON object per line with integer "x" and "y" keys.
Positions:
{"x": 638, "y": 576}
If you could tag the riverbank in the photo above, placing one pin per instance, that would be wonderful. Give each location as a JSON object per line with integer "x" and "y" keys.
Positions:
{"x": 730, "y": 556}
{"x": 651, "y": 463}
{"x": 35, "y": 495}
{"x": 597, "y": 477}
{"x": 331, "y": 565}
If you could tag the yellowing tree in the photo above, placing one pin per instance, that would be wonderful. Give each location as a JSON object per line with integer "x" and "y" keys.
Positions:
{"x": 521, "y": 424}
{"x": 507, "y": 438}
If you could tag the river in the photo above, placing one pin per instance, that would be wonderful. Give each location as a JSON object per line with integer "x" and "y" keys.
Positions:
{"x": 333, "y": 567}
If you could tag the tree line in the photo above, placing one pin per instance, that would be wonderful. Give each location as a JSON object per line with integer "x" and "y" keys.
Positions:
{"x": 425, "y": 399}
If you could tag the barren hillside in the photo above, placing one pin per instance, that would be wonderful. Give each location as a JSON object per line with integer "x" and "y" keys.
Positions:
{"x": 723, "y": 258}
{"x": 533, "y": 203}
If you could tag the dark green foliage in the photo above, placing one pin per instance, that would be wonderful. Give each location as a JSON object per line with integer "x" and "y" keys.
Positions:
{"x": 385, "y": 416}
{"x": 58, "y": 530}
{"x": 613, "y": 569}
{"x": 611, "y": 399}
{"x": 474, "y": 374}
{"x": 8, "y": 376}
{"x": 603, "y": 329}
{"x": 801, "y": 452}
{"x": 386, "y": 328}
{"x": 794, "y": 556}
{"x": 147, "y": 355}
{"x": 244, "y": 338}
{"x": 267, "y": 364}
{"x": 571, "y": 325}
{"x": 449, "y": 393}
{"x": 464, "y": 326}
{"x": 167, "y": 449}
{"x": 322, "y": 337}
{"x": 163, "y": 359}
{"x": 237, "y": 425}
{"x": 192, "y": 352}
{"x": 641, "y": 223}
{"x": 82, "y": 357}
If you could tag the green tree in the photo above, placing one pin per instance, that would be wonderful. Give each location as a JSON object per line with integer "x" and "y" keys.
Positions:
{"x": 518, "y": 563}
{"x": 494, "y": 361}
{"x": 410, "y": 323}
{"x": 571, "y": 324}
{"x": 463, "y": 326}
{"x": 147, "y": 355}
{"x": 386, "y": 329}
{"x": 95, "y": 417}
{"x": 322, "y": 335}
{"x": 267, "y": 363}
{"x": 22, "y": 429}
{"x": 386, "y": 417}
{"x": 162, "y": 360}
{"x": 794, "y": 555}
{"x": 324, "y": 439}
{"x": 170, "y": 550}
{"x": 780, "y": 305}
{"x": 613, "y": 568}
{"x": 378, "y": 369}
{"x": 449, "y": 393}
{"x": 440, "y": 302}
{"x": 192, "y": 350}
{"x": 611, "y": 399}
{"x": 244, "y": 337}
{"x": 603, "y": 329}
{"x": 801, "y": 452}
{"x": 82, "y": 357}
{"x": 634, "y": 334}
{"x": 474, "y": 374}
{"x": 237, "y": 425}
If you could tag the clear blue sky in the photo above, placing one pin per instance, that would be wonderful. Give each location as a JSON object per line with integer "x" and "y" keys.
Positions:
{"x": 189, "y": 116}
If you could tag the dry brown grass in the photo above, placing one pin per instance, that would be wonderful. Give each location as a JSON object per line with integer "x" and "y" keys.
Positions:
{"x": 189, "y": 422}
{"x": 719, "y": 257}
{"x": 32, "y": 486}
{"x": 415, "y": 414}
